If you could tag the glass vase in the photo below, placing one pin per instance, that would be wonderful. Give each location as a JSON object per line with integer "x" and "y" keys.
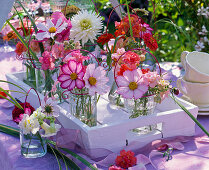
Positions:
{"x": 114, "y": 97}
{"x": 83, "y": 4}
{"x": 84, "y": 107}
{"x": 32, "y": 146}
{"x": 141, "y": 107}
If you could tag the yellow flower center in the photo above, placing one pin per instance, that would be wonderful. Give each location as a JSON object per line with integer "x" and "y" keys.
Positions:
{"x": 73, "y": 76}
{"x": 133, "y": 85}
{"x": 52, "y": 30}
{"x": 9, "y": 35}
{"x": 85, "y": 24}
{"x": 92, "y": 81}
{"x": 144, "y": 29}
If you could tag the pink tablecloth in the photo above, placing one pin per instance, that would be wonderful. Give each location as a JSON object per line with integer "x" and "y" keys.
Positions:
{"x": 195, "y": 155}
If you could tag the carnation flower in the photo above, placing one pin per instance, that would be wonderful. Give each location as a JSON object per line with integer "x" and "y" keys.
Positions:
{"x": 131, "y": 84}
{"x": 95, "y": 80}
{"x": 50, "y": 29}
{"x": 126, "y": 159}
{"x": 17, "y": 113}
{"x": 85, "y": 26}
{"x": 50, "y": 108}
{"x": 76, "y": 56}
{"x": 58, "y": 51}
{"x": 150, "y": 41}
{"x": 105, "y": 38}
{"x": 115, "y": 168}
{"x": 47, "y": 61}
{"x": 20, "y": 48}
{"x": 72, "y": 75}
{"x": 29, "y": 125}
{"x": 151, "y": 78}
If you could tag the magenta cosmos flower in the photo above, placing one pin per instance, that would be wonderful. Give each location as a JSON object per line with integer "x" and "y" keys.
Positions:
{"x": 95, "y": 80}
{"x": 131, "y": 84}
{"x": 145, "y": 28}
{"x": 72, "y": 75}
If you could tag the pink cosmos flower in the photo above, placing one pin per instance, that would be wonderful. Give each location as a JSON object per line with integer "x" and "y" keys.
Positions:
{"x": 50, "y": 30}
{"x": 47, "y": 61}
{"x": 77, "y": 56}
{"x": 151, "y": 79}
{"x": 95, "y": 80}
{"x": 145, "y": 28}
{"x": 58, "y": 51}
{"x": 64, "y": 35}
{"x": 72, "y": 75}
{"x": 131, "y": 84}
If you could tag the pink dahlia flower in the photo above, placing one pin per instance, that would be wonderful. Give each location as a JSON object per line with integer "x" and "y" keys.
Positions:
{"x": 131, "y": 84}
{"x": 64, "y": 35}
{"x": 95, "y": 80}
{"x": 47, "y": 61}
{"x": 72, "y": 75}
{"x": 145, "y": 28}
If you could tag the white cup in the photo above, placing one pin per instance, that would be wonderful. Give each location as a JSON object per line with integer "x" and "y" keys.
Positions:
{"x": 196, "y": 65}
{"x": 197, "y": 92}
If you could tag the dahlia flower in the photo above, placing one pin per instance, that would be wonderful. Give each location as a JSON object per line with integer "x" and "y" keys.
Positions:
{"x": 85, "y": 26}
{"x": 50, "y": 30}
{"x": 95, "y": 80}
{"x": 131, "y": 84}
{"x": 72, "y": 75}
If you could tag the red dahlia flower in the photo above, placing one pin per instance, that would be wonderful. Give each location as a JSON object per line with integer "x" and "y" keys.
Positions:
{"x": 126, "y": 159}
{"x": 17, "y": 113}
{"x": 150, "y": 41}
{"x": 105, "y": 38}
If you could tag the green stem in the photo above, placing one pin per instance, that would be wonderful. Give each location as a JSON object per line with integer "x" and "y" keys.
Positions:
{"x": 190, "y": 115}
{"x": 28, "y": 144}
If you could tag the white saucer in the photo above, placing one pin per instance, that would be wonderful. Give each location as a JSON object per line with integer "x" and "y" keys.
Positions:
{"x": 202, "y": 110}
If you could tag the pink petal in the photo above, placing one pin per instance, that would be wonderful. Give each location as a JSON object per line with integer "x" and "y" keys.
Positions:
{"x": 138, "y": 94}
{"x": 90, "y": 69}
{"x": 49, "y": 23}
{"x": 65, "y": 69}
{"x": 137, "y": 74}
{"x": 80, "y": 83}
{"x": 64, "y": 77}
{"x": 122, "y": 81}
{"x": 129, "y": 75}
{"x": 97, "y": 72}
{"x": 72, "y": 85}
{"x": 72, "y": 65}
{"x": 80, "y": 75}
{"x": 66, "y": 84}
{"x": 129, "y": 94}
{"x": 79, "y": 68}
{"x": 122, "y": 90}
{"x": 42, "y": 27}
{"x": 142, "y": 87}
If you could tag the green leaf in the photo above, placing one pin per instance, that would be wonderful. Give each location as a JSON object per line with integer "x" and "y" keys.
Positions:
{"x": 129, "y": 18}
{"x": 60, "y": 168}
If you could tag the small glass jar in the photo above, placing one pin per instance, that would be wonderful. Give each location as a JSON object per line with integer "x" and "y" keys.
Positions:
{"x": 32, "y": 146}
{"x": 84, "y": 107}
{"x": 141, "y": 107}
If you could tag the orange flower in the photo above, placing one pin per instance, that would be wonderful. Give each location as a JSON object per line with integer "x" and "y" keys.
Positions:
{"x": 2, "y": 94}
{"x": 10, "y": 35}
{"x": 20, "y": 48}
{"x": 34, "y": 45}
{"x": 105, "y": 38}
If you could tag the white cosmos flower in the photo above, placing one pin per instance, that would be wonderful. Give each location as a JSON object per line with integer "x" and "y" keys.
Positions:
{"x": 29, "y": 125}
{"x": 50, "y": 130}
{"x": 50, "y": 108}
{"x": 85, "y": 26}
{"x": 50, "y": 30}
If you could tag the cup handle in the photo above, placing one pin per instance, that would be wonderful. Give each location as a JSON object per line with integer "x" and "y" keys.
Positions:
{"x": 183, "y": 58}
{"x": 179, "y": 86}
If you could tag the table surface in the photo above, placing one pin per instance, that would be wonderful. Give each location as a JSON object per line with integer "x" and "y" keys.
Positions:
{"x": 194, "y": 156}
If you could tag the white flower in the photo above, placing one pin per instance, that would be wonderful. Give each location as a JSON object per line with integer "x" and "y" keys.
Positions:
{"x": 29, "y": 125}
{"x": 50, "y": 30}
{"x": 50, "y": 108}
{"x": 204, "y": 31}
{"x": 50, "y": 130}
{"x": 199, "y": 46}
{"x": 85, "y": 26}
{"x": 38, "y": 114}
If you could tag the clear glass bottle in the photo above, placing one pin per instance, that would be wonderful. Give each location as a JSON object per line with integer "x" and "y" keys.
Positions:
{"x": 32, "y": 146}
{"x": 84, "y": 107}
{"x": 141, "y": 107}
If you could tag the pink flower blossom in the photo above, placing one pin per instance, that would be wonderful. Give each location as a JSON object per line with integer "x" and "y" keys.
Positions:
{"x": 131, "y": 84}
{"x": 95, "y": 80}
{"x": 77, "y": 56}
{"x": 64, "y": 35}
{"x": 151, "y": 79}
{"x": 58, "y": 51}
{"x": 115, "y": 168}
{"x": 145, "y": 28}
{"x": 72, "y": 75}
{"x": 47, "y": 61}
